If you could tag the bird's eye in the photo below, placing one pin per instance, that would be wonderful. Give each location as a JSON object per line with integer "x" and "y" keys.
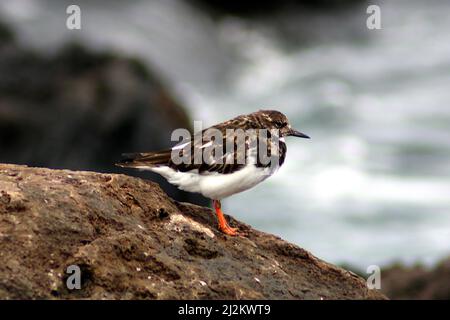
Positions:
{"x": 280, "y": 124}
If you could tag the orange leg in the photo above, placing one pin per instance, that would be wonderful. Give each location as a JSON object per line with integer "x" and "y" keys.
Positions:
{"x": 223, "y": 225}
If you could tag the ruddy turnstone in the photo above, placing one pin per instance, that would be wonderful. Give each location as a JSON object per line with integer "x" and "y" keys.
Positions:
{"x": 227, "y": 158}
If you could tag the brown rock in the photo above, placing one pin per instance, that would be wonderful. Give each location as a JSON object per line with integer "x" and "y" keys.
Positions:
{"x": 417, "y": 282}
{"x": 131, "y": 241}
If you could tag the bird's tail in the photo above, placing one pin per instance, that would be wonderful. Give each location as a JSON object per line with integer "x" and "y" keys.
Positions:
{"x": 147, "y": 159}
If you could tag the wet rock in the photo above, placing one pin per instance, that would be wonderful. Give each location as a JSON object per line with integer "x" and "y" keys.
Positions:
{"x": 131, "y": 241}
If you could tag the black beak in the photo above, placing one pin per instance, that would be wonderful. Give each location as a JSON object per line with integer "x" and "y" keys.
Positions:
{"x": 296, "y": 133}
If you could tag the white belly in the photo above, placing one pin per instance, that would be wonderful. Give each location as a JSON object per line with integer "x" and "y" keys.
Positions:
{"x": 213, "y": 185}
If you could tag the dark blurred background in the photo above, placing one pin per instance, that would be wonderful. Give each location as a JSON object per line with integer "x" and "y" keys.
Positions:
{"x": 371, "y": 187}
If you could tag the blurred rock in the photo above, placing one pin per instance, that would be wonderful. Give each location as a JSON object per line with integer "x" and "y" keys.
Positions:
{"x": 131, "y": 241}
{"x": 6, "y": 35}
{"x": 399, "y": 282}
{"x": 81, "y": 110}
{"x": 418, "y": 282}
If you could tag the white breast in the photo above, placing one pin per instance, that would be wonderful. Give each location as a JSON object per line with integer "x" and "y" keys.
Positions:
{"x": 214, "y": 185}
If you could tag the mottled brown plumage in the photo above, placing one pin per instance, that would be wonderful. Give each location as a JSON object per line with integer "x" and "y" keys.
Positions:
{"x": 263, "y": 119}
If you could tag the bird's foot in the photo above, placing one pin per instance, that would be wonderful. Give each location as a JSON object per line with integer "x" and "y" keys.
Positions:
{"x": 229, "y": 230}
{"x": 223, "y": 225}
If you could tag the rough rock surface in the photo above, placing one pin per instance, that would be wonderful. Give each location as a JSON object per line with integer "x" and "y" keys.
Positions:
{"x": 132, "y": 241}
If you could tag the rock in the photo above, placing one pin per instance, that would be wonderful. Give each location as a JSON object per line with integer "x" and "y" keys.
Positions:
{"x": 131, "y": 241}
{"x": 6, "y": 35}
{"x": 417, "y": 282}
{"x": 81, "y": 110}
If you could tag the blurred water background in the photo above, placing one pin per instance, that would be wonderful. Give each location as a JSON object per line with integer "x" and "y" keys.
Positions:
{"x": 373, "y": 184}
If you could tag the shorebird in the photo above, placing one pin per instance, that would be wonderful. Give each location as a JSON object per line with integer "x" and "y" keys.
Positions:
{"x": 222, "y": 171}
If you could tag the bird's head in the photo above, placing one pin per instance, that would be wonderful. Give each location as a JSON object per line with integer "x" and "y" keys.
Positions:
{"x": 277, "y": 120}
